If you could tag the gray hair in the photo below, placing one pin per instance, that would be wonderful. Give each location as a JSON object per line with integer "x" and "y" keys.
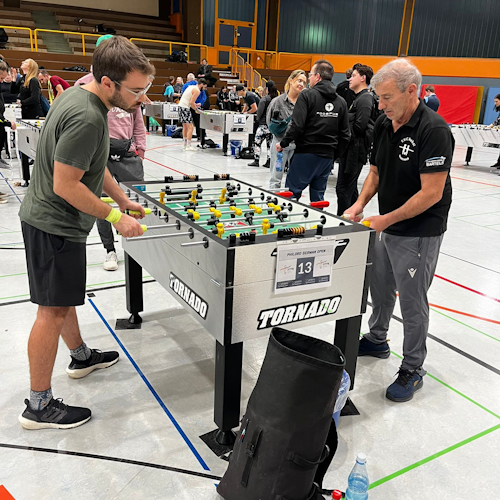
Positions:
{"x": 402, "y": 71}
{"x": 190, "y": 77}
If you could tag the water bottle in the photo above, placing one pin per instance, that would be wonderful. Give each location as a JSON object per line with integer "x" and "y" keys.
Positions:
{"x": 279, "y": 162}
{"x": 358, "y": 481}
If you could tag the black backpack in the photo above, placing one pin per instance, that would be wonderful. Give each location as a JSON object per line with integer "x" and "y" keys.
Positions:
{"x": 177, "y": 133}
{"x": 375, "y": 111}
{"x": 246, "y": 154}
{"x": 287, "y": 436}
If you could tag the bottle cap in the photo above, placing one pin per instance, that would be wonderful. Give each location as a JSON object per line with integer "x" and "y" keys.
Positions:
{"x": 336, "y": 495}
{"x": 361, "y": 458}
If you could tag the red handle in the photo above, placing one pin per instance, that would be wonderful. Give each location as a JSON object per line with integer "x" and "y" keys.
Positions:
{"x": 285, "y": 194}
{"x": 319, "y": 204}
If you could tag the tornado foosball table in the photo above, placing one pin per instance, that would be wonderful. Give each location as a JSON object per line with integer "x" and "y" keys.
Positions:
{"x": 162, "y": 112}
{"x": 476, "y": 136}
{"x": 242, "y": 260}
{"x": 226, "y": 122}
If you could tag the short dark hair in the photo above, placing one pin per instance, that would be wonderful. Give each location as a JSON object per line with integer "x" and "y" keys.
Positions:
{"x": 430, "y": 88}
{"x": 497, "y": 96}
{"x": 202, "y": 81}
{"x": 116, "y": 57}
{"x": 239, "y": 88}
{"x": 324, "y": 69}
{"x": 43, "y": 72}
{"x": 365, "y": 71}
{"x": 355, "y": 66}
{"x": 3, "y": 66}
{"x": 348, "y": 73}
{"x": 204, "y": 59}
{"x": 273, "y": 92}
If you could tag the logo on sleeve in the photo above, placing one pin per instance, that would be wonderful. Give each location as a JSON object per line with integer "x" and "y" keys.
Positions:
{"x": 437, "y": 161}
{"x": 406, "y": 148}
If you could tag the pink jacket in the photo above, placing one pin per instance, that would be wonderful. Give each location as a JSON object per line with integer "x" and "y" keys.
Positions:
{"x": 123, "y": 125}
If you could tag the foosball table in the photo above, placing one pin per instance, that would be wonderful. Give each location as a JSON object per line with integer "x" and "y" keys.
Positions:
{"x": 476, "y": 136}
{"x": 162, "y": 111}
{"x": 28, "y": 133}
{"x": 242, "y": 260}
{"x": 226, "y": 122}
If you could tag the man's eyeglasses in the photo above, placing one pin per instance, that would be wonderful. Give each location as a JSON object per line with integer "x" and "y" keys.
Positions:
{"x": 311, "y": 74}
{"x": 137, "y": 95}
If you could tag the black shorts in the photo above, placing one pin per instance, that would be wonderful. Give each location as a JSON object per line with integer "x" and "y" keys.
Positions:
{"x": 57, "y": 268}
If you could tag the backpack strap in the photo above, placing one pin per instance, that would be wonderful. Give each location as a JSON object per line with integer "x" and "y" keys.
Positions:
{"x": 250, "y": 451}
{"x": 307, "y": 464}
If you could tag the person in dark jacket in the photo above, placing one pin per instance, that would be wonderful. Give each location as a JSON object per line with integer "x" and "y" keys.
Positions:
{"x": 205, "y": 71}
{"x": 343, "y": 89}
{"x": 223, "y": 99}
{"x": 4, "y": 71}
{"x": 320, "y": 129}
{"x": 361, "y": 127}
{"x": 9, "y": 97}
{"x": 263, "y": 133}
{"x": 29, "y": 91}
{"x": 431, "y": 99}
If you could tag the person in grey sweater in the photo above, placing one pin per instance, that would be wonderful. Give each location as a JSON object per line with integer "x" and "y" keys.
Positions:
{"x": 281, "y": 109}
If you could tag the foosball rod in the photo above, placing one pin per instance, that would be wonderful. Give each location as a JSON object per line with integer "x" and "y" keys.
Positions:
{"x": 189, "y": 233}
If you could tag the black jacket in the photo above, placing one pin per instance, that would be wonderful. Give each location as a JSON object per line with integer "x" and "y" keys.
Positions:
{"x": 8, "y": 96}
{"x": 344, "y": 91}
{"x": 29, "y": 97}
{"x": 319, "y": 122}
{"x": 205, "y": 70}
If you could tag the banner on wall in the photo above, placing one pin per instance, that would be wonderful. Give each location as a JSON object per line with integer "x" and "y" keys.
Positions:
{"x": 457, "y": 102}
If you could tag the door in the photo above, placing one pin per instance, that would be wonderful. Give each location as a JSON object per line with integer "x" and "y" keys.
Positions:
{"x": 234, "y": 34}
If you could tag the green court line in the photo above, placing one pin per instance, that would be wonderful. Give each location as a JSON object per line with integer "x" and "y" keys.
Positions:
{"x": 433, "y": 457}
{"x": 465, "y": 324}
{"x": 23, "y": 274}
{"x": 94, "y": 284}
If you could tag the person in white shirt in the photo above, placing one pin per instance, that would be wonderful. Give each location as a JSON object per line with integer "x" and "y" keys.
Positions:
{"x": 188, "y": 102}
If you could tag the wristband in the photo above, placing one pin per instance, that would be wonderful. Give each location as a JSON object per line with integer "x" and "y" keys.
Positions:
{"x": 114, "y": 216}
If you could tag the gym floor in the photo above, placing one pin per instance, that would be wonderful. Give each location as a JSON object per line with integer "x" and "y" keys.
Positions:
{"x": 150, "y": 409}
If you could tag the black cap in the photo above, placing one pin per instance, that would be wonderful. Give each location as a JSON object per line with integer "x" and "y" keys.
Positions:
{"x": 269, "y": 84}
{"x": 240, "y": 87}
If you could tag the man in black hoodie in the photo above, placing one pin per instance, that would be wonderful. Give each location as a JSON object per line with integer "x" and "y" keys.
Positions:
{"x": 320, "y": 129}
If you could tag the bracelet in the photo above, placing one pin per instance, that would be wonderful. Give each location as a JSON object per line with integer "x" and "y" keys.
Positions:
{"x": 114, "y": 216}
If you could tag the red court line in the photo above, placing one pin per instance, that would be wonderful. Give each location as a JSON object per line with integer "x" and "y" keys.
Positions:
{"x": 168, "y": 146}
{"x": 170, "y": 168}
{"x": 477, "y": 182}
{"x": 494, "y": 321}
{"x": 4, "y": 494}
{"x": 467, "y": 288}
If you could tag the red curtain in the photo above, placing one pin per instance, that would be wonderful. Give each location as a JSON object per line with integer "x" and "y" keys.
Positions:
{"x": 457, "y": 102}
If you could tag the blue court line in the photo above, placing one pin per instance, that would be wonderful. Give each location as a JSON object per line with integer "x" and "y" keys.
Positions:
{"x": 8, "y": 184}
{"x": 150, "y": 387}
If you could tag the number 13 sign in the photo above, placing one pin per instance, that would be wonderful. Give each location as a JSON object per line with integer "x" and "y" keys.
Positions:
{"x": 304, "y": 266}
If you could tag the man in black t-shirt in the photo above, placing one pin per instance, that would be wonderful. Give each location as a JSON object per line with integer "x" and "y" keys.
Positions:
{"x": 250, "y": 103}
{"x": 410, "y": 164}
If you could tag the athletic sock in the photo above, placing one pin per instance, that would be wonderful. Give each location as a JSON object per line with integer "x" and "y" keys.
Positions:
{"x": 40, "y": 399}
{"x": 188, "y": 144}
{"x": 81, "y": 353}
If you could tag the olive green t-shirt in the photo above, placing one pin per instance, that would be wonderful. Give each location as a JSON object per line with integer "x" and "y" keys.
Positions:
{"x": 75, "y": 133}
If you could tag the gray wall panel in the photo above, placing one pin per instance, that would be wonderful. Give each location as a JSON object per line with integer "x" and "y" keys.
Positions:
{"x": 261, "y": 25}
{"x": 456, "y": 28}
{"x": 369, "y": 27}
{"x": 237, "y": 10}
{"x": 209, "y": 22}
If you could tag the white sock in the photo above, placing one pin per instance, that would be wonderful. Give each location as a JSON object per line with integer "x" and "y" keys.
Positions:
{"x": 188, "y": 143}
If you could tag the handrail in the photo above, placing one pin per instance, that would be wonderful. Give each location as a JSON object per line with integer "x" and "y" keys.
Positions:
{"x": 248, "y": 51}
{"x": 79, "y": 33}
{"x": 21, "y": 28}
{"x": 170, "y": 43}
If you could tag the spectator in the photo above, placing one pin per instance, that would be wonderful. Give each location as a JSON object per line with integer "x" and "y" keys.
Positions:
{"x": 205, "y": 72}
{"x": 168, "y": 89}
{"x": 29, "y": 91}
{"x": 58, "y": 213}
{"x": 4, "y": 72}
{"x": 343, "y": 89}
{"x": 223, "y": 99}
{"x": 187, "y": 104}
{"x": 281, "y": 110}
{"x": 260, "y": 92}
{"x": 55, "y": 84}
{"x": 320, "y": 129}
{"x": 361, "y": 127}
{"x": 234, "y": 100}
{"x": 5, "y": 88}
{"x": 410, "y": 172}
{"x": 263, "y": 131}
{"x": 431, "y": 99}
{"x": 179, "y": 83}
{"x": 496, "y": 123}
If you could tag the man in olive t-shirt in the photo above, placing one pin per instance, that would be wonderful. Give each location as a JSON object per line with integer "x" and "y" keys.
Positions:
{"x": 58, "y": 213}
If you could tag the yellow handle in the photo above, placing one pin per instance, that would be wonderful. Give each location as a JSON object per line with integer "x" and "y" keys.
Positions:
{"x": 366, "y": 223}
{"x": 147, "y": 211}
{"x": 107, "y": 199}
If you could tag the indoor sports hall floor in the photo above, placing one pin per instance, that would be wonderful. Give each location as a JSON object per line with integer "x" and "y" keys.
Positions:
{"x": 150, "y": 409}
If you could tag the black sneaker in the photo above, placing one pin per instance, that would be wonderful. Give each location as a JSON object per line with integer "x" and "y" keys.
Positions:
{"x": 368, "y": 348}
{"x": 268, "y": 163}
{"x": 98, "y": 359}
{"x": 403, "y": 388}
{"x": 255, "y": 163}
{"x": 56, "y": 415}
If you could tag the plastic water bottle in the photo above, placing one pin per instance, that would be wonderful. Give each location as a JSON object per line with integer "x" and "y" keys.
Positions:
{"x": 358, "y": 481}
{"x": 279, "y": 162}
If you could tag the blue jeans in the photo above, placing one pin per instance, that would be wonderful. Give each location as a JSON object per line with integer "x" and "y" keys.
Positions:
{"x": 311, "y": 170}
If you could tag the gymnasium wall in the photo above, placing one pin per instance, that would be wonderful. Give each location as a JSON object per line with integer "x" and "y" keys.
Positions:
{"x": 144, "y": 7}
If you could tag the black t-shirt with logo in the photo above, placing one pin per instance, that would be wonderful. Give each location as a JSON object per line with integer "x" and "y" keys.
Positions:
{"x": 423, "y": 145}
{"x": 251, "y": 98}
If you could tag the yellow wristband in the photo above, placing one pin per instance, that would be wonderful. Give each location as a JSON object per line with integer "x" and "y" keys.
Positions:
{"x": 114, "y": 216}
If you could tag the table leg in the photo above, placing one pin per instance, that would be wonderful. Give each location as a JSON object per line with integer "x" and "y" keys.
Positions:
{"x": 225, "y": 142}
{"x": 251, "y": 140}
{"x": 468, "y": 156}
{"x": 133, "y": 286}
{"x": 228, "y": 369}
{"x": 202, "y": 136}
{"x": 347, "y": 340}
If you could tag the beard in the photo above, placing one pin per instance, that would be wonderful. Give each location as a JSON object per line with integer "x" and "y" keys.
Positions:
{"x": 117, "y": 101}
